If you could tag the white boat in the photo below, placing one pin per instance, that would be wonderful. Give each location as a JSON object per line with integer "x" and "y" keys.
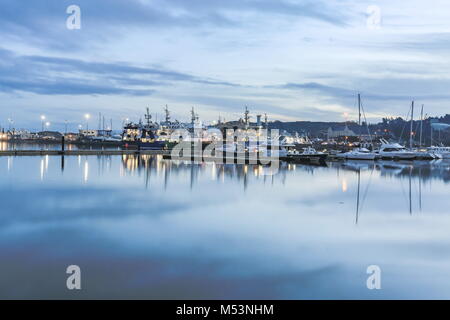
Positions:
{"x": 424, "y": 154}
{"x": 306, "y": 151}
{"x": 443, "y": 152}
{"x": 395, "y": 151}
{"x": 357, "y": 154}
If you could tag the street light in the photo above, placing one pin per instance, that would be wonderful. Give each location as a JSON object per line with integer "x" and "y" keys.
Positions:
{"x": 87, "y": 116}
{"x": 42, "y": 122}
{"x": 47, "y": 124}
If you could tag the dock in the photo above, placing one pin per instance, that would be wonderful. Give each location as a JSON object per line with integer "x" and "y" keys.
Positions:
{"x": 30, "y": 153}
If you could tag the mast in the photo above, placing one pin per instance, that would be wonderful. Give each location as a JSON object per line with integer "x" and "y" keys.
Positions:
{"x": 359, "y": 118}
{"x": 411, "y": 129}
{"x": 431, "y": 134}
{"x": 421, "y": 126}
{"x": 246, "y": 117}
{"x": 148, "y": 117}
{"x": 166, "y": 110}
{"x": 193, "y": 117}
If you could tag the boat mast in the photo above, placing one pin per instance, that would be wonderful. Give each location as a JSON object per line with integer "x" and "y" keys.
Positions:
{"x": 148, "y": 117}
{"x": 421, "y": 126}
{"x": 359, "y": 118}
{"x": 411, "y": 129}
{"x": 192, "y": 117}
{"x": 246, "y": 117}
{"x": 166, "y": 111}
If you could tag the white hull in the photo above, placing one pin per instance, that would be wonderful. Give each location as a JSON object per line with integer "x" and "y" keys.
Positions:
{"x": 357, "y": 156}
{"x": 397, "y": 155}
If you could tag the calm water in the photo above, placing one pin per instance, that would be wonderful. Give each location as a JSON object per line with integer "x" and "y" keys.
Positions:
{"x": 152, "y": 228}
{"x": 8, "y": 146}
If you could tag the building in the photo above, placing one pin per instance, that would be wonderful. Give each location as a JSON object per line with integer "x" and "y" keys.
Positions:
{"x": 341, "y": 132}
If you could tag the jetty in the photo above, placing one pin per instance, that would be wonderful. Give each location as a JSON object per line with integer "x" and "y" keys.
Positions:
{"x": 30, "y": 153}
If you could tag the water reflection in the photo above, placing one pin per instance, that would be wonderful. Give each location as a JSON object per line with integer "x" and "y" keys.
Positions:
{"x": 145, "y": 227}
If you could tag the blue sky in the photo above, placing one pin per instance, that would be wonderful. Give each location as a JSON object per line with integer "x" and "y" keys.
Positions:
{"x": 292, "y": 59}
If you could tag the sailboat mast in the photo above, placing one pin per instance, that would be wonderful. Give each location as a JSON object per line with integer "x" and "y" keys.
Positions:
{"x": 421, "y": 126}
{"x": 411, "y": 129}
{"x": 359, "y": 117}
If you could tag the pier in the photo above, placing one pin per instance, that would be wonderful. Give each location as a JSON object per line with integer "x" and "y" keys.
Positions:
{"x": 30, "y": 153}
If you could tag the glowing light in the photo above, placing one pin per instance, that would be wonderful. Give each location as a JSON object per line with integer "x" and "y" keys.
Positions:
{"x": 344, "y": 185}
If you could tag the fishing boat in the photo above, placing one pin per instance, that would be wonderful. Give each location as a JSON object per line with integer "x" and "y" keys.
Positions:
{"x": 142, "y": 136}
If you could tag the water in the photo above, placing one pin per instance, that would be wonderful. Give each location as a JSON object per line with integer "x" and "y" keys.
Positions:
{"x": 9, "y": 146}
{"x": 152, "y": 228}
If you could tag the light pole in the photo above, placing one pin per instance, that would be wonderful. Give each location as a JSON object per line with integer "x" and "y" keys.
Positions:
{"x": 42, "y": 122}
{"x": 87, "y": 116}
{"x": 47, "y": 125}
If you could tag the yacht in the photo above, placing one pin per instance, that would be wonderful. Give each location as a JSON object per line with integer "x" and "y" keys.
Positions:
{"x": 357, "y": 154}
{"x": 443, "y": 152}
{"x": 424, "y": 154}
{"x": 395, "y": 151}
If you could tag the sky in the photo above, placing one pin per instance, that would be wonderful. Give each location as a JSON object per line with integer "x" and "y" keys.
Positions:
{"x": 292, "y": 59}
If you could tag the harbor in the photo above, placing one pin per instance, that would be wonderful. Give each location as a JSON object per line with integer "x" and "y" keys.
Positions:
{"x": 236, "y": 141}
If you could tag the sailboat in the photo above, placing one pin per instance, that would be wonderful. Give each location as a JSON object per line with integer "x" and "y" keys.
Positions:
{"x": 358, "y": 153}
{"x": 423, "y": 153}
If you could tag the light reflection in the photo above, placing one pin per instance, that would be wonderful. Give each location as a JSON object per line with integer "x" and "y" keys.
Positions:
{"x": 9, "y": 163}
{"x": 344, "y": 185}
{"x": 86, "y": 171}
{"x": 42, "y": 169}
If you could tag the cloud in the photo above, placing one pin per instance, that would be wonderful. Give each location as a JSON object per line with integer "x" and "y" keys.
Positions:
{"x": 57, "y": 76}
{"x": 43, "y": 22}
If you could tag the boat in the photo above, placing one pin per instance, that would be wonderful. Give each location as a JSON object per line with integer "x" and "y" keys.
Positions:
{"x": 425, "y": 154}
{"x": 357, "y": 154}
{"x": 142, "y": 136}
{"x": 394, "y": 151}
{"x": 443, "y": 152}
{"x": 307, "y": 155}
